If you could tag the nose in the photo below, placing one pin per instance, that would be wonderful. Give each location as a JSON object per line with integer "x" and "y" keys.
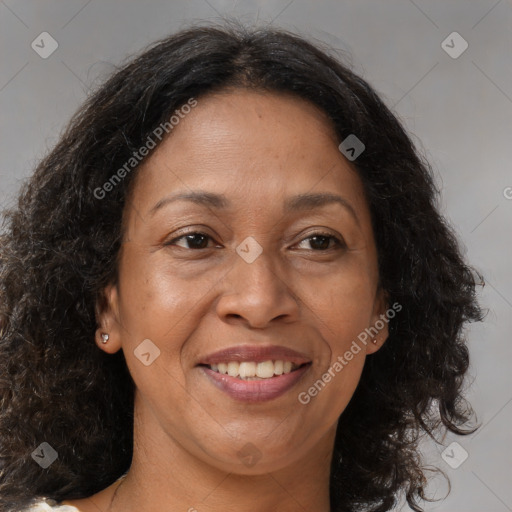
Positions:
{"x": 256, "y": 294}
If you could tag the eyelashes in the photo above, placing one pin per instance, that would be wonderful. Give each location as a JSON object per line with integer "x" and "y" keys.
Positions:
{"x": 187, "y": 237}
{"x": 326, "y": 241}
{"x": 319, "y": 236}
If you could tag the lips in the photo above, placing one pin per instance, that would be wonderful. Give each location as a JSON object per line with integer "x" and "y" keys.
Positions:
{"x": 256, "y": 353}
{"x": 253, "y": 389}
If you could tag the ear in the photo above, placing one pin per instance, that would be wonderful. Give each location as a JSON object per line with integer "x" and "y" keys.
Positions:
{"x": 107, "y": 319}
{"x": 379, "y": 323}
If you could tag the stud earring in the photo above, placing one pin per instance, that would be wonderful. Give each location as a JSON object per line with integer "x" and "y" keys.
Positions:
{"x": 104, "y": 337}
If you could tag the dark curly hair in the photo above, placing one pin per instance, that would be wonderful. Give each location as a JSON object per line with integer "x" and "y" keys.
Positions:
{"x": 60, "y": 245}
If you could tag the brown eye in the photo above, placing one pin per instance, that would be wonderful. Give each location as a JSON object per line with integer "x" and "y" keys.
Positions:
{"x": 195, "y": 240}
{"x": 322, "y": 242}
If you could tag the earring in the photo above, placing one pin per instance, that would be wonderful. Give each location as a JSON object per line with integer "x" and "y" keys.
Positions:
{"x": 104, "y": 337}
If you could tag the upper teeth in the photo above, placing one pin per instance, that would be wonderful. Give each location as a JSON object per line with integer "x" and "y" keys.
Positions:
{"x": 248, "y": 369}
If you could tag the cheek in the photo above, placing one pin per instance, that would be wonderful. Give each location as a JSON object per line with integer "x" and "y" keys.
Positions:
{"x": 156, "y": 305}
{"x": 345, "y": 309}
{"x": 329, "y": 394}
{"x": 156, "y": 300}
{"x": 344, "y": 303}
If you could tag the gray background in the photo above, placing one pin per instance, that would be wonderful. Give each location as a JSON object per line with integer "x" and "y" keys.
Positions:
{"x": 458, "y": 110}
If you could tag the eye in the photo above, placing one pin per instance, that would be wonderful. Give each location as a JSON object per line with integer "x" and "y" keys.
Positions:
{"x": 198, "y": 240}
{"x": 194, "y": 240}
{"x": 321, "y": 242}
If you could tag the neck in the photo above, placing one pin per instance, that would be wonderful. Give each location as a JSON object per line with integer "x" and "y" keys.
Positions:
{"x": 165, "y": 476}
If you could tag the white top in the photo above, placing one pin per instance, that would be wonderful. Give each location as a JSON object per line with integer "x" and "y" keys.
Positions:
{"x": 49, "y": 505}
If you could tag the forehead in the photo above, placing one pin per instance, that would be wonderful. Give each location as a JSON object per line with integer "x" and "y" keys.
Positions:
{"x": 249, "y": 144}
{"x": 243, "y": 124}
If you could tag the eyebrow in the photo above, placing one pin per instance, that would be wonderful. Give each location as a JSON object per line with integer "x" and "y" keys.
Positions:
{"x": 301, "y": 202}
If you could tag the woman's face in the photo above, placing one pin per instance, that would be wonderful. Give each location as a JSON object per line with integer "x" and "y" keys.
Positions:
{"x": 265, "y": 274}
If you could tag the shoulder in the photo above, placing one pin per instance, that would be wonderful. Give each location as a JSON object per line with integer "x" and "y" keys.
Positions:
{"x": 49, "y": 505}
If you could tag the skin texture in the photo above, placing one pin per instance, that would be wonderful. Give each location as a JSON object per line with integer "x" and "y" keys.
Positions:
{"x": 257, "y": 149}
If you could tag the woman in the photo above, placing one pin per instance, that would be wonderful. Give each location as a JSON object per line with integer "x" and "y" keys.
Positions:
{"x": 229, "y": 287}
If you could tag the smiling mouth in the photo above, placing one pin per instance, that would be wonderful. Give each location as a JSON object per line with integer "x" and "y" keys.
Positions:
{"x": 252, "y": 370}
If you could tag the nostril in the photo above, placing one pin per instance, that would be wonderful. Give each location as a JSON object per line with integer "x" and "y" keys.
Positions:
{"x": 234, "y": 315}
